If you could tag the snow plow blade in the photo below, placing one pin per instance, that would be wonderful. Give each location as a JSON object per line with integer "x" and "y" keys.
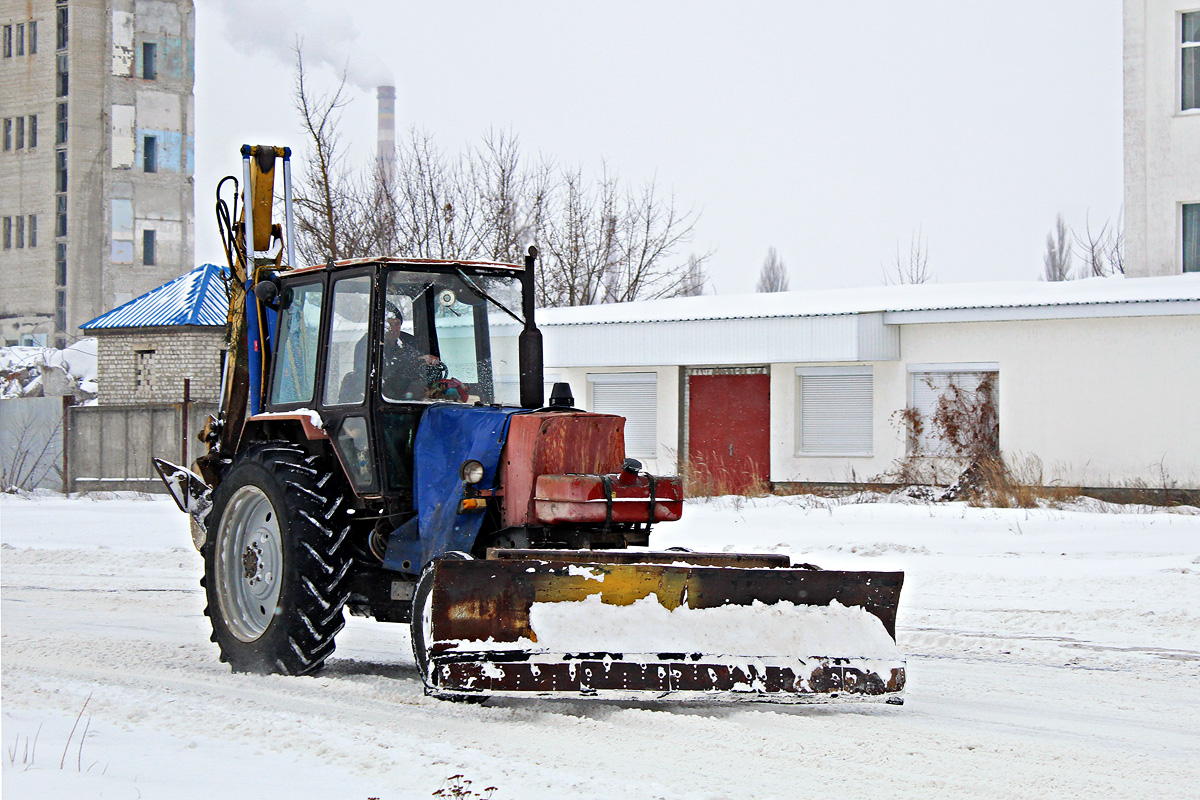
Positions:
{"x": 644, "y": 625}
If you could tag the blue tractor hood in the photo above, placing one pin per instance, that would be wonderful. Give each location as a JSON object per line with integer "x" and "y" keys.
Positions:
{"x": 447, "y": 435}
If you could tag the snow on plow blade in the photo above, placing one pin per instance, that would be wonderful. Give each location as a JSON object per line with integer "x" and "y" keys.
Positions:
{"x": 638, "y": 625}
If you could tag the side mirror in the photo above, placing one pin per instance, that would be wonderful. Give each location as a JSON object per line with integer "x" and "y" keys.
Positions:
{"x": 266, "y": 291}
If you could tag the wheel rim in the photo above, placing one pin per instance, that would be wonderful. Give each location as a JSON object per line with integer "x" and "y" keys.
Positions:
{"x": 249, "y": 563}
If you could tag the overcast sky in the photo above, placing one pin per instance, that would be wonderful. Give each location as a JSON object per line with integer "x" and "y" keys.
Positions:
{"x": 833, "y": 131}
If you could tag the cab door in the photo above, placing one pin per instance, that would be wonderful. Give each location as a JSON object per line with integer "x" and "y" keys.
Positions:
{"x": 345, "y": 401}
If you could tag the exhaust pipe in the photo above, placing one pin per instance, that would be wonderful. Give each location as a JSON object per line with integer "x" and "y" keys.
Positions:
{"x": 533, "y": 387}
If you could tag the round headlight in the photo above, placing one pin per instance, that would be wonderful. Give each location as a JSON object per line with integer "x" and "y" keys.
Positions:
{"x": 471, "y": 471}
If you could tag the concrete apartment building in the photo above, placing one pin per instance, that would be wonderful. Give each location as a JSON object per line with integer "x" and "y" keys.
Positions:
{"x": 96, "y": 198}
{"x": 1162, "y": 137}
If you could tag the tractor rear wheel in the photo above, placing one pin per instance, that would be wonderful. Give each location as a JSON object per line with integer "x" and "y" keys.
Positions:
{"x": 276, "y": 561}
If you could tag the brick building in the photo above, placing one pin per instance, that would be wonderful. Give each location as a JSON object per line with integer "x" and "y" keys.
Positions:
{"x": 96, "y": 131}
{"x": 147, "y": 347}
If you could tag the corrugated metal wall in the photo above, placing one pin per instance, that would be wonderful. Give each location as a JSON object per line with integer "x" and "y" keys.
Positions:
{"x": 849, "y": 337}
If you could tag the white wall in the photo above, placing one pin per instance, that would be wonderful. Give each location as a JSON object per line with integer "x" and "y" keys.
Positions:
{"x": 1162, "y": 143}
{"x": 887, "y": 438}
{"x": 1102, "y": 402}
{"x": 668, "y": 407}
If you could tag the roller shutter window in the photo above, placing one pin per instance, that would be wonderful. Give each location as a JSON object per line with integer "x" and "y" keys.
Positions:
{"x": 634, "y": 396}
{"x": 927, "y": 390}
{"x": 836, "y": 411}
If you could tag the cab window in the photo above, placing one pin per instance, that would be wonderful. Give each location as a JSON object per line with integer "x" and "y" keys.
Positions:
{"x": 346, "y": 356}
{"x": 299, "y": 338}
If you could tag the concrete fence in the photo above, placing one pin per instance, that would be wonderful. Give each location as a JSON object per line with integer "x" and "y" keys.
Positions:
{"x": 110, "y": 448}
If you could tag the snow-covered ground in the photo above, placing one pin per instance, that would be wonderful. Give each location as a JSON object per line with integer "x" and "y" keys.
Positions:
{"x": 1050, "y": 654}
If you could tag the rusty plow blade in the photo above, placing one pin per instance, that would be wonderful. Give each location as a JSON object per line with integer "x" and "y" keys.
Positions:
{"x": 644, "y": 625}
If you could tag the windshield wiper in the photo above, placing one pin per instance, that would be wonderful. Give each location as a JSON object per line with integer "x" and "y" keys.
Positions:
{"x": 481, "y": 293}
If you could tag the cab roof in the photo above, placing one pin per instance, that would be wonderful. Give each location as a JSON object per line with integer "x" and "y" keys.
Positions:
{"x": 421, "y": 262}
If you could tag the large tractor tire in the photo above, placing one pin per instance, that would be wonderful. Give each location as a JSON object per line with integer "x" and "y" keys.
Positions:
{"x": 276, "y": 560}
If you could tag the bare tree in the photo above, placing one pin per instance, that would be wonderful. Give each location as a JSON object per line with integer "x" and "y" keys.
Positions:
{"x": 695, "y": 277}
{"x": 773, "y": 277}
{"x": 578, "y": 241}
{"x": 511, "y": 197}
{"x": 436, "y": 210}
{"x": 31, "y": 449}
{"x": 1094, "y": 249}
{"x": 651, "y": 231}
{"x": 1104, "y": 250}
{"x": 324, "y": 195}
{"x": 605, "y": 244}
{"x": 1057, "y": 260}
{"x": 912, "y": 267}
{"x": 600, "y": 241}
{"x": 1114, "y": 253}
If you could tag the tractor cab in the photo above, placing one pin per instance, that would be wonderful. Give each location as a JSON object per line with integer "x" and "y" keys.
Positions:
{"x": 384, "y": 339}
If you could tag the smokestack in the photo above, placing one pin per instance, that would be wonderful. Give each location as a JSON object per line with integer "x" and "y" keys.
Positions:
{"x": 387, "y": 131}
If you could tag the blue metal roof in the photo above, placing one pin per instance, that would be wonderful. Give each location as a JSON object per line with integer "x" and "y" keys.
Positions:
{"x": 194, "y": 298}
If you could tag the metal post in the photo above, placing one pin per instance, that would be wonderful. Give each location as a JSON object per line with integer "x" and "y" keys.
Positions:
{"x": 247, "y": 211}
{"x": 185, "y": 413}
{"x": 67, "y": 402}
{"x": 287, "y": 206}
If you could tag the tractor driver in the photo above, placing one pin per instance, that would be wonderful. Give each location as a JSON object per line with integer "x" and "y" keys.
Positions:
{"x": 407, "y": 373}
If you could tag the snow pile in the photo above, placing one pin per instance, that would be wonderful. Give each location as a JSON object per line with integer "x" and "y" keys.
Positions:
{"x": 48, "y": 372}
{"x": 646, "y": 626}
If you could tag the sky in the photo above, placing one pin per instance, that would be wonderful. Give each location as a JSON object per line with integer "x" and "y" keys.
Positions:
{"x": 834, "y": 132}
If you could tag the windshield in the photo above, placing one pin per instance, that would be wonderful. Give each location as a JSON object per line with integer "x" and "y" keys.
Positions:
{"x": 444, "y": 341}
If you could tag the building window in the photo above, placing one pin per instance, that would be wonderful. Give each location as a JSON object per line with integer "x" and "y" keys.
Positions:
{"x": 20, "y": 50}
{"x": 60, "y": 170}
{"x": 60, "y": 132}
{"x": 20, "y": 231}
{"x": 8, "y": 233}
{"x": 1191, "y": 237}
{"x": 33, "y": 38}
{"x": 33, "y": 230}
{"x": 60, "y": 310}
{"x": 60, "y": 264}
{"x": 149, "y": 154}
{"x": 8, "y": 41}
{"x": 148, "y": 248}
{"x": 61, "y": 18}
{"x": 633, "y": 395}
{"x": 60, "y": 223}
{"x": 143, "y": 361}
{"x": 61, "y": 82}
{"x": 149, "y": 65}
{"x": 836, "y": 410}
{"x": 32, "y": 131}
{"x": 20, "y": 137}
{"x": 8, "y": 125}
{"x": 1189, "y": 60}
{"x": 954, "y": 410}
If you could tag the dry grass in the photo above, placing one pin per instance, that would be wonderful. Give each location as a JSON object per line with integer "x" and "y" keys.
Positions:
{"x": 1019, "y": 484}
{"x": 719, "y": 480}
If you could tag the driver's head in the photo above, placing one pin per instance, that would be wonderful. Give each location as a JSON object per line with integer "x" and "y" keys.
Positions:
{"x": 395, "y": 318}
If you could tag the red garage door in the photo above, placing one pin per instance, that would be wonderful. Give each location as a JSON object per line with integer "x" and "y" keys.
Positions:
{"x": 729, "y": 430}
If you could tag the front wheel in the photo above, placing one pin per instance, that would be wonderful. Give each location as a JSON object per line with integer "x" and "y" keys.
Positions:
{"x": 421, "y": 627}
{"x": 276, "y": 560}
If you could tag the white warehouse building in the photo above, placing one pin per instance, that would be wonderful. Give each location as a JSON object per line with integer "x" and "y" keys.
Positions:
{"x": 1098, "y": 378}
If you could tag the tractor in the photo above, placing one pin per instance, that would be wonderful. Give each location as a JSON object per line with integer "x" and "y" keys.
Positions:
{"x": 384, "y": 445}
